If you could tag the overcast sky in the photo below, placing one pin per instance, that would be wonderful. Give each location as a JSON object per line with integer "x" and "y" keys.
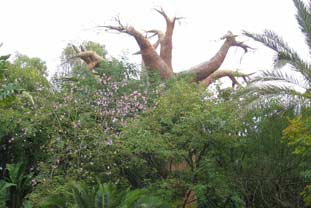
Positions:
{"x": 42, "y": 29}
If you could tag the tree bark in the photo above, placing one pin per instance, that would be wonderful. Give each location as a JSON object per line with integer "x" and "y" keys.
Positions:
{"x": 166, "y": 39}
{"x": 152, "y": 61}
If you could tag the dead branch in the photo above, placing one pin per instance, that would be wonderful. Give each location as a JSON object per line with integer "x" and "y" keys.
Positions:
{"x": 170, "y": 23}
{"x": 188, "y": 193}
{"x": 140, "y": 38}
{"x": 243, "y": 46}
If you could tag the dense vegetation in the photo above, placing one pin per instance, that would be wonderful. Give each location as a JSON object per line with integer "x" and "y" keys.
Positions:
{"x": 112, "y": 138}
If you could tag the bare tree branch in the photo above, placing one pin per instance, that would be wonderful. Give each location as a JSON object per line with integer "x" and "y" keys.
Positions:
{"x": 232, "y": 75}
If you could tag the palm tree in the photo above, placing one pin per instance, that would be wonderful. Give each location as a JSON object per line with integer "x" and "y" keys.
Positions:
{"x": 289, "y": 86}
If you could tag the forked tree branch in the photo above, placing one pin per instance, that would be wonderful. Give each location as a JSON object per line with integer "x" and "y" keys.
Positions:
{"x": 149, "y": 55}
{"x": 165, "y": 38}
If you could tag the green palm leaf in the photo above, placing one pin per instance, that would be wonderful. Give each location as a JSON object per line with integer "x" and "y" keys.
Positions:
{"x": 285, "y": 54}
{"x": 277, "y": 76}
{"x": 303, "y": 17}
{"x": 257, "y": 95}
{"x": 288, "y": 86}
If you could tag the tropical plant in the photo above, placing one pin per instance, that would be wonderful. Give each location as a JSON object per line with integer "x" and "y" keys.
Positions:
{"x": 15, "y": 187}
{"x": 288, "y": 85}
{"x": 81, "y": 195}
{"x": 4, "y": 192}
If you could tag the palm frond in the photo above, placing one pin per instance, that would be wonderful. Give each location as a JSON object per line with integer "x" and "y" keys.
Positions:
{"x": 106, "y": 195}
{"x": 281, "y": 85}
{"x": 285, "y": 54}
{"x": 303, "y": 17}
{"x": 280, "y": 60}
{"x": 82, "y": 195}
{"x": 278, "y": 76}
{"x": 256, "y": 95}
{"x": 296, "y": 63}
{"x": 269, "y": 39}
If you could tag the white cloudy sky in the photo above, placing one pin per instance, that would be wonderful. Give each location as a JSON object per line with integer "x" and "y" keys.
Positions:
{"x": 43, "y": 28}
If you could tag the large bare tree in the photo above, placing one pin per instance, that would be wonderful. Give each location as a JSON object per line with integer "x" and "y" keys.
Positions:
{"x": 161, "y": 62}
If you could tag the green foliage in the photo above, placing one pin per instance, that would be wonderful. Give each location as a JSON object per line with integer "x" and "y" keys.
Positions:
{"x": 104, "y": 195}
{"x": 24, "y": 62}
{"x": 192, "y": 141}
{"x": 6, "y": 89}
{"x": 25, "y": 74}
{"x": 266, "y": 171}
{"x": 87, "y": 113}
{"x": 23, "y": 128}
{"x": 151, "y": 143}
{"x": 298, "y": 136}
{"x": 182, "y": 140}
